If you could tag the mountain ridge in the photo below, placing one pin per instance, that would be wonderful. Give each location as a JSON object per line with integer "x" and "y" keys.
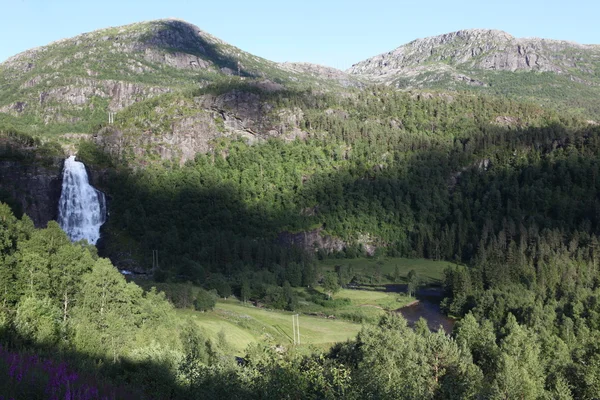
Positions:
{"x": 169, "y": 35}
{"x": 468, "y": 45}
{"x": 547, "y": 71}
{"x": 70, "y": 85}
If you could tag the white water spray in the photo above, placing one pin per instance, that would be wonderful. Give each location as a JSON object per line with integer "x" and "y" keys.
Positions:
{"x": 81, "y": 208}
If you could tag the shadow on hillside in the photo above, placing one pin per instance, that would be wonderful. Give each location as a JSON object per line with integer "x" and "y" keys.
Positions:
{"x": 201, "y": 224}
{"x": 35, "y": 370}
{"x": 181, "y": 36}
{"x": 426, "y": 207}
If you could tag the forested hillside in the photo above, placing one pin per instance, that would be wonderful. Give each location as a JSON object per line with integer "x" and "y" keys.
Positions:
{"x": 96, "y": 335}
{"x": 415, "y": 176}
{"x": 231, "y": 177}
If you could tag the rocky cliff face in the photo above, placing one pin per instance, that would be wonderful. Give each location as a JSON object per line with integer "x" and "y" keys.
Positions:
{"x": 560, "y": 74}
{"x": 182, "y": 127}
{"x": 78, "y": 81}
{"x": 483, "y": 49}
{"x": 36, "y": 188}
{"x": 311, "y": 241}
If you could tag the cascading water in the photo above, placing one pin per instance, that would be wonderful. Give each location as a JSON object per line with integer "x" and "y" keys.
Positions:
{"x": 81, "y": 208}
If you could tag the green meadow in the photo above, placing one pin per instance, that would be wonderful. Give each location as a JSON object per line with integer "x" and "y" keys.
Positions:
{"x": 242, "y": 324}
{"x": 323, "y": 321}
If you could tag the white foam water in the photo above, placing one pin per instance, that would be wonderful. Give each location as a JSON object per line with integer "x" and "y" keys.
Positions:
{"x": 81, "y": 208}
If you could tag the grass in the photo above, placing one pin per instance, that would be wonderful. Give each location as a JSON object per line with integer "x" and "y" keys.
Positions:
{"x": 243, "y": 324}
{"x": 374, "y": 297}
{"x": 238, "y": 337}
{"x": 363, "y": 304}
{"x": 323, "y": 321}
{"x": 430, "y": 272}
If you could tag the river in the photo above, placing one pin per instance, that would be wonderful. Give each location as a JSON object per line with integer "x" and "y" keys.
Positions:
{"x": 427, "y": 306}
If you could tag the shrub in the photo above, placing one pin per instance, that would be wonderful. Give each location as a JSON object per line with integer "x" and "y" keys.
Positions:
{"x": 204, "y": 301}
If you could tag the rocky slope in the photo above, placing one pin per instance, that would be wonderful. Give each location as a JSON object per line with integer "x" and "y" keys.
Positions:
{"x": 177, "y": 127}
{"x": 71, "y": 85}
{"x": 551, "y": 71}
{"x": 35, "y": 188}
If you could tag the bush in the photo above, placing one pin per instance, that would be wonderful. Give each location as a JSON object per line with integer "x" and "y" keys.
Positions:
{"x": 332, "y": 303}
{"x": 204, "y": 301}
{"x": 91, "y": 154}
{"x": 359, "y": 317}
{"x": 38, "y": 320}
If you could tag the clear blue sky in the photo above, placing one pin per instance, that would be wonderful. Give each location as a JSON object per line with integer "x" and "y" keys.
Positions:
{"x": 329, "y": 32}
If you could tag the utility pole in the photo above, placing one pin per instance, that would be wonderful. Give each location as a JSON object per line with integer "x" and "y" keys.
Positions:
{"x": 154, "y": 260}
{"x": 296, "y": 328}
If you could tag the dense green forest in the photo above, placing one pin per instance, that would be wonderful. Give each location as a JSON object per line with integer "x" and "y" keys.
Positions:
{"x": 239, "y": 187}
{"x": 412, "y": 175}
{"x": 518, "y": 339}
{"x": 507, "y": 191}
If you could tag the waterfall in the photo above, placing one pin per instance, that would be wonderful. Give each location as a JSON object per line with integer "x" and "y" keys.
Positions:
{"x": 81, "y": 208}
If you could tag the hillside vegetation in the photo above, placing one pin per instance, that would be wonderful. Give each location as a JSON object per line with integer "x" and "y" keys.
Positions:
{"x": 269, "y": 190}
{"x": 554, "y": 73}
{"x": 70, "y": 85}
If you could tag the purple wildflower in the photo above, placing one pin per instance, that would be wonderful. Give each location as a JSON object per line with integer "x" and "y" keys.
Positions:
{"x": 26, "y": 376}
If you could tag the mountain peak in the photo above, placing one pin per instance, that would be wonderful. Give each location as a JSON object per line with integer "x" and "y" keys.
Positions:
{"x": 108, "y": 70}
{"x": 169, "y": 34}
{"x": 494, "y": 62}
{"x": 467, "y": 35}
{"x": 478, "y": 49}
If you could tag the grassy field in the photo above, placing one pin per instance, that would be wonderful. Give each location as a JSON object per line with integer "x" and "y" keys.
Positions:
{"x": 374, "y": 297}
{"x": 244, "y": 324}
{"x": 430, "y": 272}
{"x": 361, "y": 304}
{"x": 323, "y": 321}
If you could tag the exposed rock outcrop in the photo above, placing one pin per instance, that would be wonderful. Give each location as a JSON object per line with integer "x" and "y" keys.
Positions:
{"x": 485, "y": 49}
{"x": 236, "y": 113}
{"x": 314, "y": 240}
{"x": 311, "y": 241}
{"x": 36, "y": 188}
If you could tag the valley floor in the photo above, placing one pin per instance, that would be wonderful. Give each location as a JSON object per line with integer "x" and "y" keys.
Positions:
{"x": 322, "y": 323}
{"x": 243, "y": 324}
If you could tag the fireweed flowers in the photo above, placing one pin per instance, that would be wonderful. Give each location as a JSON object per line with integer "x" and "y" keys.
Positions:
{"x": 27, "y": 377}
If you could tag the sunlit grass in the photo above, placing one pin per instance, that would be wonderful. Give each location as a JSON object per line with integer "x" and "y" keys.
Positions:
{"x": 385, "y": 300}
{"x": 243, "y": 324}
